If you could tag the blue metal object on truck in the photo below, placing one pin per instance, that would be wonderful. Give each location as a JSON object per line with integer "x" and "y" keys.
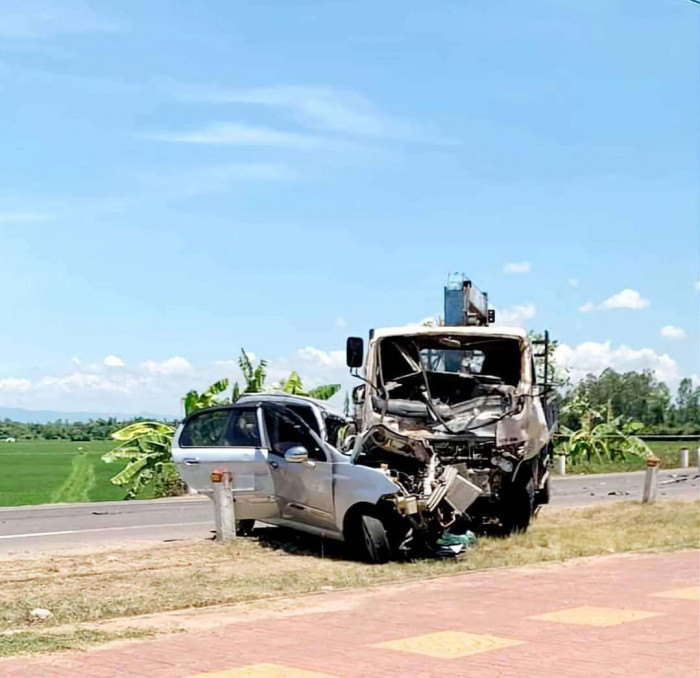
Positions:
{"x": 465, "y": 304}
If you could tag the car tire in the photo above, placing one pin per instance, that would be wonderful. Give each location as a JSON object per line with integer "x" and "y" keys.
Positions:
{"x": 374, "y": 540}
{"x": 518, "y": 508}
{"x": 244, "y": 528}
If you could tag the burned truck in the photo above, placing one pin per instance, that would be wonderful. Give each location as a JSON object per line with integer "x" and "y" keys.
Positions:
{"x": 458, "y": 418}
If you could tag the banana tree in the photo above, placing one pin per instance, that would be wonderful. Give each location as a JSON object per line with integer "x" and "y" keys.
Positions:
{"x": 254, "y": 376}
{"x": 145, "y": 446}
{"x": 197, "y": 401}
{"x": 293, "y": 385}
{"x": 603, "y": 436}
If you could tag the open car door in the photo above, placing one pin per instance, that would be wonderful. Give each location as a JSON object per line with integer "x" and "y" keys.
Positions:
{"x": 302, "y": 468}
{"x": 228, "y": 439}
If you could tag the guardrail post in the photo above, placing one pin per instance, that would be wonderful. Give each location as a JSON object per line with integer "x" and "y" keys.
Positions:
{"x": 223, "y": 506}
{"x": 561, "y": 464}
{"x": 684, "y": 454}
{"x": 697, "y": 460}
{"x": 651, "y": 480}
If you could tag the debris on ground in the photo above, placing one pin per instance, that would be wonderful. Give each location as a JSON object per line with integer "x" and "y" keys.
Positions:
{"x": 450, "y": 545}
{"x": 39, "y": 614}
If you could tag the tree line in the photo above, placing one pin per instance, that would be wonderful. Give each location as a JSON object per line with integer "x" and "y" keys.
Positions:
{"x": 78, "y": 431}
{"x": 638, "y": 396}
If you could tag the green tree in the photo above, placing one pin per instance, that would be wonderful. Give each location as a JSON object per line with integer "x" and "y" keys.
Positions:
{"x": 638, "y": 396}
{"x": 688, "y": 405}
{"x": 208, "y": 398}
{"x": 601, "y": 436}
{"x": 293, "y": 384}
{"x": 146, "y": 447}
{"x": 254, "y": 376}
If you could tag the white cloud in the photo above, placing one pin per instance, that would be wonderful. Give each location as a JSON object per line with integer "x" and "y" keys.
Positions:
{"x": 672, "y": 332}
{"x": 697, "y": 285}
{"x": 240, "y": 134}
{"x": 593, "y": 357}
{"x": 33, "y": 19}
{"x": 574, "y": 282}
{"x": 515, "y": 316}
{"x": 626, "y": 298}
{"x": 517, "y": 267}
{"x": 75, "y": 360}
{"x": 176, "y": 365}
{"x": 332, "y": 359}
{"x": 24, "y": 217}
{"x": 341, "y": 323}
{"x": 13, "y": 385}
{"x": 86, "y": 381}
{"x": 113, "y": 361}
{"x": 321, "y": 108}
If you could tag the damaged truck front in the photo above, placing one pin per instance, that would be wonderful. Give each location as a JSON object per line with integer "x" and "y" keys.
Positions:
{"x": 456, "y": 418}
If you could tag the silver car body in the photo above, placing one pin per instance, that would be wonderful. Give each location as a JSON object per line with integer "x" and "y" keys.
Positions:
{"x": 313, "y": 496}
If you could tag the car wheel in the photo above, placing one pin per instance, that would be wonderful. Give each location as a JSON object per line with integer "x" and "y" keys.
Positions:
{"x": 244, "y": 528}
{"x": 375, "y": 541}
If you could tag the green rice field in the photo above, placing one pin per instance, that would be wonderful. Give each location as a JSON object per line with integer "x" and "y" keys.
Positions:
{"x": 53, "y": 471}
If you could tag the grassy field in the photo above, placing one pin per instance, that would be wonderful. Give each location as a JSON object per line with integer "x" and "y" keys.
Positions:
{"x": 119, "y": 583}
{"x": 50, "y": 471}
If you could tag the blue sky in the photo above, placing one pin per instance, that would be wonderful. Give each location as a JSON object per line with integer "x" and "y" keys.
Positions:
{"x": 178, "y": 180}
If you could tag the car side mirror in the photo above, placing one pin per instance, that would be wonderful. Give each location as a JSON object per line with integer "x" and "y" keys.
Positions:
{"x": 354, "y": 352}
{"x": 296, "y": 454}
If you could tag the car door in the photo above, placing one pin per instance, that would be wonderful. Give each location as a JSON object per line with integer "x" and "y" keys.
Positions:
{"x": 228, "y": 439}
{"x": 304, "y": 489}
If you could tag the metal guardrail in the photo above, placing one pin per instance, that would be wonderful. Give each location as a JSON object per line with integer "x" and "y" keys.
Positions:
{"x": 679, "y": 437}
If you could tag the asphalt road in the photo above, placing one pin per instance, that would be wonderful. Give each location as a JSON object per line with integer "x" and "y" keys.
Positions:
{"x": 55, "y": 526}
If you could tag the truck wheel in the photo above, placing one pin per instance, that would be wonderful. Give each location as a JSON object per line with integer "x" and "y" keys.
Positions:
{"x": 244, "y": 528}
{"x": 518, "y": 508}
{"x": 374, "y": 539}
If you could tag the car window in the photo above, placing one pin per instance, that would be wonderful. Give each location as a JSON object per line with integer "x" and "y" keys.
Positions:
{"x": 306, "y": 413}
{"x": 222, "y": 428}
{"x": 333, "y": 426}
{"x": 286, "y": 431}
{"x": 243, "y": 429}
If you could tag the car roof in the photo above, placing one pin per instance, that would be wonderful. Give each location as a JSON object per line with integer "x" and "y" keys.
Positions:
{"x": 289, "y": 399}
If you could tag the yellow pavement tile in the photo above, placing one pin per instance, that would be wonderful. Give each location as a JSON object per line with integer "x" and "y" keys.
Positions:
{"x": 264, "y": 671}
{"x": 449, "y": 644}
{"x": 690, "y": 593}
{"x": 596, "y": 616}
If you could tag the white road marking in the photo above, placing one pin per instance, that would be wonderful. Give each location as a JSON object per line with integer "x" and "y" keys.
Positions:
{"x": 101, "y": 529}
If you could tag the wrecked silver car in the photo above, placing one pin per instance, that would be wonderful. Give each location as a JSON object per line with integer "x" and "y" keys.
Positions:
{"x": 286, "y": 470}
{"x": 456, "y": 419}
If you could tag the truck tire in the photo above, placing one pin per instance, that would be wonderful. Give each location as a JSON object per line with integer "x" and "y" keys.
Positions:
{"x": 375, "y": 539}
{"x": 518, "y": 507}
{"x": 244, "y": 528}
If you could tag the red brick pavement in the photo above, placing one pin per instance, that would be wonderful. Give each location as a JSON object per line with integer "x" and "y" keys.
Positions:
{"x": 343, "y": 641}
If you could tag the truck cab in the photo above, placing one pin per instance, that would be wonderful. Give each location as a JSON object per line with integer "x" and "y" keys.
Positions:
{"x": 462, "y": 396}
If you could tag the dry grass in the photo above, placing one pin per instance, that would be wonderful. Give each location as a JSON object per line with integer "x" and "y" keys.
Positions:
{"x": 124, "y": 582}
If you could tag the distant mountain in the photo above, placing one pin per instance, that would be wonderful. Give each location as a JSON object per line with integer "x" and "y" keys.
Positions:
{"x": 46, "y": 416}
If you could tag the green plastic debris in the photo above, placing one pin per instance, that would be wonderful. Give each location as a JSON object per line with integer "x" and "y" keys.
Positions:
{"x": 466, "y": 540}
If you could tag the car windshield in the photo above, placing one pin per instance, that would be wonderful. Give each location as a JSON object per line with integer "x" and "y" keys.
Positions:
{"x": 456, "y": 367}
